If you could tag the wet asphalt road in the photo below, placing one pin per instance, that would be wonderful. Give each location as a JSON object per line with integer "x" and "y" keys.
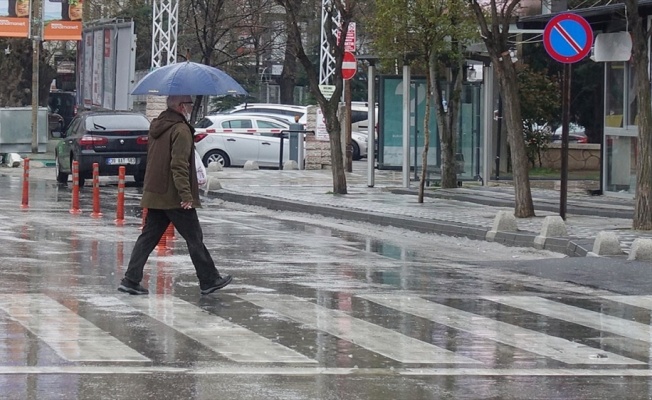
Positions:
{"x": 319, "y": 309}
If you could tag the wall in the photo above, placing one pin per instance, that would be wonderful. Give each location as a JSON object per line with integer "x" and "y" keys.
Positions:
{"x": 581, "y": 157}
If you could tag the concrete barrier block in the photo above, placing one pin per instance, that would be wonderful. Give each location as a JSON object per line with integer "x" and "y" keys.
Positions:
{"x": 214, "y": 167}
{"x": 553, "y": 227}
{"x": 213, "y": 184}
{"x": 250, "y": 166}
{"x": 505, "y": 221}
{"x": 641, "y": 250}
{"x": 290, "y": 165}
{"x": 607, "y": 244}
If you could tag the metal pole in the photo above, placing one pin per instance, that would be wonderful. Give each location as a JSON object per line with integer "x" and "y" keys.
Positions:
{"x": 565, "y": 110}
{"x": 371, "y": 130}
{"x": 348, "y": 161}
{"x": 488, "y": 85}
{"x": 498, "y": 135}
{"x": 36, "y": 56}
{"x": 406, "y": 126}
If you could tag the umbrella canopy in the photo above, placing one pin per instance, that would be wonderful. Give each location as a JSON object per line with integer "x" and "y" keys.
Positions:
{"x": 188, "y": 78}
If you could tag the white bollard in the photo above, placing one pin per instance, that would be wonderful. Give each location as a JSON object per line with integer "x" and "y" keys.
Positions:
{"x": 641, "y": 250}
{"x": 290, "y": 165}
{"x": 505, "y": 221}
{"x": 606, "y": 244}
{"x": 250, "y": 166}
{"x": 553, "y": 227}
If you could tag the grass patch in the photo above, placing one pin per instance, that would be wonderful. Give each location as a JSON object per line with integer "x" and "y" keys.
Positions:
{"x": 549, "y": 173}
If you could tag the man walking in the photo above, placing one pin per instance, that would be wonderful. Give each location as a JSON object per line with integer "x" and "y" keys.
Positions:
{"x": 171, "y": 194}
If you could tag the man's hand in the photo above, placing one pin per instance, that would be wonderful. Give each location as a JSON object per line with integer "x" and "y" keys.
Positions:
{"x": 186, "y": 205}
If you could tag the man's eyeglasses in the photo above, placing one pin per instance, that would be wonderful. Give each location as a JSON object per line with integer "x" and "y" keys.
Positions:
{"x": 186, "y": 102}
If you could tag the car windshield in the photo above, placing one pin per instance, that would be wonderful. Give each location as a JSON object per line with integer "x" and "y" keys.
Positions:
{"x": 117, "y": 122}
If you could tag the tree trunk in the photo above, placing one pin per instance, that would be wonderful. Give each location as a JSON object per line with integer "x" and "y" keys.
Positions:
{"x": 643, "y": 202}
{"x": 287, "y": 81}
{"x": 523, "y": 206}
{"x": 495, "y": 36}
{"x": 334, "y": 128}
{"x": 426, "y": 128}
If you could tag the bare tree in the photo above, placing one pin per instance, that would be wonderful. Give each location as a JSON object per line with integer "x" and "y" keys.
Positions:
{"x": 643, "y": 204}
{"x": 329, "y": 107}
{"x": 494, "y": 23}
{"x": 222, "y": 32}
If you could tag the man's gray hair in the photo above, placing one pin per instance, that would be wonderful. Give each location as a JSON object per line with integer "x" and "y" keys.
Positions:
{"x": 174, "y": 101}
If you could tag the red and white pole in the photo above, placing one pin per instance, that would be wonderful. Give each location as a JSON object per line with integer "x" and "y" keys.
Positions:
{"x": 25, "y": 202}
{"x": 120, "y": 210}
{"x": 75, "y": 188}
{"x": 96, "y": 191}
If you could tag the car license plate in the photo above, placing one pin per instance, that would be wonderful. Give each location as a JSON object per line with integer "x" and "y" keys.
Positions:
{"x": 121, "y": 161}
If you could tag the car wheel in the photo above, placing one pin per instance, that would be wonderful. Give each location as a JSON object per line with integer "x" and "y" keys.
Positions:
{"x": 356, "y": 151}
{"x": 62, "y": 177}
{"x": 217, "y": 156}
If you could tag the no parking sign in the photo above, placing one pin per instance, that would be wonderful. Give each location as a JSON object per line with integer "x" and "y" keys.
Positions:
{"x": 568, "y": 38}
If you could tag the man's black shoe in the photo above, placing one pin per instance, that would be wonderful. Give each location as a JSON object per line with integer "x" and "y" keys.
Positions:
{"x": 218, "y": 284}
{"x": 128, "y": 286}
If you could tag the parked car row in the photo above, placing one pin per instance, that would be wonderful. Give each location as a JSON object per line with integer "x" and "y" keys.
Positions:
{"x": 119, "y": 138}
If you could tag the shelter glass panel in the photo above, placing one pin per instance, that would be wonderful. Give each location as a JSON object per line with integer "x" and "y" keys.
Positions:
{"x": 615, "y": 95}
{"x": 621, "y": 163}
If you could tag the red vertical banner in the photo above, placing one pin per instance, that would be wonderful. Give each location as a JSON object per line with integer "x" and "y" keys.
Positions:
{"x": 14, "y": 18}
{"x": 63, "y": 19}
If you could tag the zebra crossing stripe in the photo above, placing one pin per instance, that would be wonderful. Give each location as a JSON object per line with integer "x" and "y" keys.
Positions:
{"x": 72, "y": 337}
{"x": 372, "y": 337}
{"x": 644, "y": 302}
{"x": 226, "y": 338}
{"x": 535, "y": 342}
{"x": 576, "y": 315}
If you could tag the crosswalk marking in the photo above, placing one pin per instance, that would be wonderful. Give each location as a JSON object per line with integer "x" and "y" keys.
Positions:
{"x": 372, "y": 337}
{"x": 535, "y": 342}
{"x": 218, "y": 334}
{"x": 576, "y": 315}
{"x": 644, "y": 302}
{"x": 72, "y": 337}
{"x": 380, "y": 373}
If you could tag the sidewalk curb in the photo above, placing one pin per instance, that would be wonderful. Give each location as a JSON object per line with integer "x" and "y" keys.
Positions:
{"x": 572, "y": 247}
{"x": 541, "y": 206}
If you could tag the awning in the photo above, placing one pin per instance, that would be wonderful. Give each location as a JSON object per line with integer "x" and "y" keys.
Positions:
{"x": 600, "y": 17}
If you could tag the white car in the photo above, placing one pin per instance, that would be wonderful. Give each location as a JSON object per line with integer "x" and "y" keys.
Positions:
{"x": 232, "y": 140}
{"x": 288, "y": 113}
{"x": 240, "y": 123}
{"x": 285, "y": 111}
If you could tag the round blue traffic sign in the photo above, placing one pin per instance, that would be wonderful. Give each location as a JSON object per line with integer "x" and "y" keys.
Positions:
{"x": 568, "y": 38}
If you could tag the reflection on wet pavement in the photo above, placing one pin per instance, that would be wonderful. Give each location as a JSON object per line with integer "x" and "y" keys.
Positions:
{"x": 317, "y": 309}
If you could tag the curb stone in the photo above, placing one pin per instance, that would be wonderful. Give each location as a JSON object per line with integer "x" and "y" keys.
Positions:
{"x": 569, "y": 246}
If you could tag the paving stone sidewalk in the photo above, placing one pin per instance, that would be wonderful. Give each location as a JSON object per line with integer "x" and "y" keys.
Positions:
{"x": 456, "y": 208}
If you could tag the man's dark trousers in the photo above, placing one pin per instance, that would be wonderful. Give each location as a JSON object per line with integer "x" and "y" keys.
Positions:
{"x": 187, "y": 223}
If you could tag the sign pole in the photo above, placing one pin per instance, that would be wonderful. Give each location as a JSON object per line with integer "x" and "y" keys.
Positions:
{"x": 347, "y": 129}
{"x": 36, "y": 56}
{"x": 568, "y": 39}
{"x": 565, "y": 110}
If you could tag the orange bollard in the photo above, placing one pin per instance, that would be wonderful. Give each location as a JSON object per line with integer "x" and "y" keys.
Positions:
{"x": 120, "y": 210}
{"x": 162, "y": 245}
{"x": 75, "y": 188}
{"x": 142, "y": 224}
{"x": 169, "y": 232}
{"x": 96, "y": 191}
{"x": 25, "y": 202}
